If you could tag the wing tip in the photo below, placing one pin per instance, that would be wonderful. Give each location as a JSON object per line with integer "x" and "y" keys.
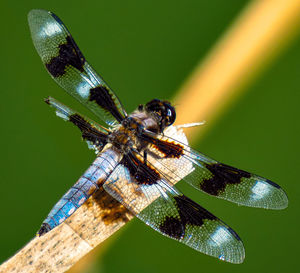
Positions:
{"x": 283, "y": 200}
{"x": 35, "y": 18}
{"x": 236, "y": 257}
{"x": 36, "y": 12}
{"x": 232, "y": 249}
{"x": 269, "y": 195}
{"x": 47, "y": 100}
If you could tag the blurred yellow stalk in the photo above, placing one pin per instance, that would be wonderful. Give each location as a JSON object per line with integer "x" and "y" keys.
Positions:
{"x": 259, "y": 32}
{"x": 248, "y": 44}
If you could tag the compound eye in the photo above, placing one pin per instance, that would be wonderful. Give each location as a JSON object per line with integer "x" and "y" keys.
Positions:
{"x": 170, "y": 114}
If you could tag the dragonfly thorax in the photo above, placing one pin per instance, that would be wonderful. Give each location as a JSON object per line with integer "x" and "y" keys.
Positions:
{"x": 155, "y": 116}
{"x": 128, "y": 134}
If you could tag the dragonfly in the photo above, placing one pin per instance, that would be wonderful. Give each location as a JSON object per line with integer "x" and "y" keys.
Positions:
{"x": 141, "y": 155}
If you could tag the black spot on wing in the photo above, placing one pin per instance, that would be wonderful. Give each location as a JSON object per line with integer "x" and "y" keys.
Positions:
{"x": 140, "y": 171}
{"x": 103, "y": 98}
{"x": 69, "y": 54}
{"x": 222, "y": 175}
{"x": 168, "y": 149}
{"x": 89, "y": 132}
{"x": 172, "y": 227}
{"x": 190, "y": 213}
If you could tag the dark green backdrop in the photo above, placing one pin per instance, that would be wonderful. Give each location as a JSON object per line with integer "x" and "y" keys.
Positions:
{"x": 145, "y": 49}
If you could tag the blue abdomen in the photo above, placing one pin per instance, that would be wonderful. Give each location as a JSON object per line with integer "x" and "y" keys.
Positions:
{"x": 87, "y": 184}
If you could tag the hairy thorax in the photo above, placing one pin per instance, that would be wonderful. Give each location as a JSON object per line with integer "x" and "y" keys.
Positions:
{"x": 127, "y": 135}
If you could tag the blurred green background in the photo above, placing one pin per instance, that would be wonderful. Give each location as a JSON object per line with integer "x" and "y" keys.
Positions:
{"x": 145, "y": 50}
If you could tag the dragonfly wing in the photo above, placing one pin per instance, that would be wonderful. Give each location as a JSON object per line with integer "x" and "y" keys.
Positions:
{"x": 213, "y": 177}
{"x": 69, "y": 68}
{"x": 141, "y": 189}
{"x": 94, "y": 134}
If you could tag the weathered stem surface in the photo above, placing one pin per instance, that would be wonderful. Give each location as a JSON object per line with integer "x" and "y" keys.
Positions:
{"x": 59, "y": 249}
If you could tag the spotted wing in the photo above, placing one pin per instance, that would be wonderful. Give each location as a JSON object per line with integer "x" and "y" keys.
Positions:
{"x": 94, "y": 134}
{"x": 68, "y": 67}
{"x": 213, "y": 177}
{"x": 137, "y": 185}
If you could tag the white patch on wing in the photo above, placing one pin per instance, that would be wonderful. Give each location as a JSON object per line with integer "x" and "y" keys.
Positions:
{"x": 83, "y": 90}
{"x": 260, "y": 190}
{"x": 50, "y": 29}
{"x": 221, "y": 236}
{"x": 62, "y": 115}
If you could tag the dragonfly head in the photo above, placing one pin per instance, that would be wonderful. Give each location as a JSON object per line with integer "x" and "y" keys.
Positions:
{"x": 162, "y": 111}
